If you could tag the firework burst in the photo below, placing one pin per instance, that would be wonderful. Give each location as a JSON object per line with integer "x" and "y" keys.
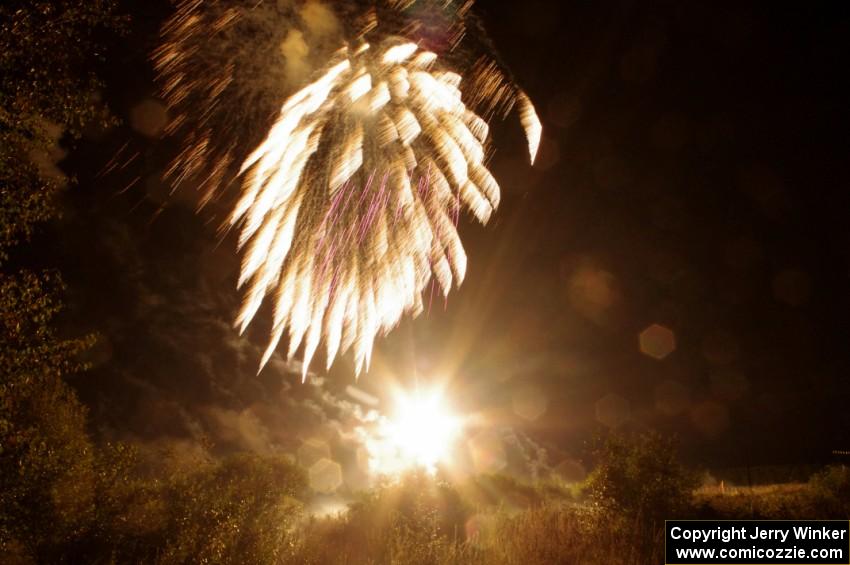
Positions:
{"x": 349, "y": 204}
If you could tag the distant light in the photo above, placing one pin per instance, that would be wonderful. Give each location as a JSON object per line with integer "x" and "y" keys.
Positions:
{"x": 323, "y": 507}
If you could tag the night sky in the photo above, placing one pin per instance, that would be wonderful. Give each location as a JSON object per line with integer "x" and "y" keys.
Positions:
{"x": 692, "y": 182}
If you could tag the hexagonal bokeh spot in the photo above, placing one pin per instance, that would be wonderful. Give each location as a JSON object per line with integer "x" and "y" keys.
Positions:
{"x": 529, "y": 403}
{"x": 325, "y": 476}
{"x": 312, "y": 450}
{"x": 488, "y": 452}
{"x": 612, "y": 410}
{"x": 657, "y": 341}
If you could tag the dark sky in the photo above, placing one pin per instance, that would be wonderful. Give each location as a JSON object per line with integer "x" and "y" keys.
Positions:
{"x": 695, "y": 156}
{"x": 692, "y": 180}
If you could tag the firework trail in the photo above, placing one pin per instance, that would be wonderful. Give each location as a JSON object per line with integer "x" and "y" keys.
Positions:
{"x": 351, "y": 186}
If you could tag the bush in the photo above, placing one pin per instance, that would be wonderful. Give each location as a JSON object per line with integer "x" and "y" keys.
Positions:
{"x": 640, "y": 476}
{"x": 243, "y": 509}
{"x": 830, "y": 490}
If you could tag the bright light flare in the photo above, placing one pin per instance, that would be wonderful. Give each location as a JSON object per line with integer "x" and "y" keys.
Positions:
{"x": 421, "y": 433}
{"x": 423, "y": 430}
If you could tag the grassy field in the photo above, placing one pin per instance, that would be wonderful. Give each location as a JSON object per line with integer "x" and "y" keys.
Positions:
{"x": 250, "y": 509}
{"x": 616, "y": 516}
{"x": 414, "y": 523}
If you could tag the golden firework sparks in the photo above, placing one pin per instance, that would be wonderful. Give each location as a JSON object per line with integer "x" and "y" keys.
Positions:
{"x": 349, "y": 204}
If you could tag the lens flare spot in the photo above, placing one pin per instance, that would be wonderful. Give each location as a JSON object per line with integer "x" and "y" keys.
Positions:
{"x": 657, "y": 341}
{"x": 488, "y": 452}
{"x": 325, "y": 475}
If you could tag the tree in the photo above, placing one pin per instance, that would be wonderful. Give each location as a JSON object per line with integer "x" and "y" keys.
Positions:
{"x": 45, "y": 453}
{"x": 47, "y": 84}
{"x": 48, "y": 89}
